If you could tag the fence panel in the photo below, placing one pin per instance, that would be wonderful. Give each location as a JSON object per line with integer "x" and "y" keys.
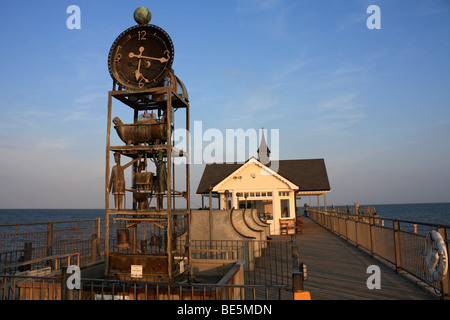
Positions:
{"x": 28, "y": 241}
{"x": 266, "y": 261}
{"x": 351, "y": 230}
{"x": 363, "y": 235}
{"x": 384, "y": 243}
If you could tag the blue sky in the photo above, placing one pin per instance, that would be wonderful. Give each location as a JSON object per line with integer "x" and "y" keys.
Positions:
{"x": 373, "y": 103}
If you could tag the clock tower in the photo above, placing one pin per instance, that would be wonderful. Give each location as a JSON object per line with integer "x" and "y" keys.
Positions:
{"x": 143, "y": 210}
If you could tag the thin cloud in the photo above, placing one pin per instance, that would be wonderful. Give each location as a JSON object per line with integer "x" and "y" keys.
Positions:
{"x": 351, "y": 20}
{"x": 51, "y": 145}
{"x": 257, "y": 5}
{"x": 343, "y": 110}
{"x": 256, "y": 104}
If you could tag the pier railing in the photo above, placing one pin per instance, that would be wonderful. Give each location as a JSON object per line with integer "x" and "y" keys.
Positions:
{"x": 265, "y": 270}
{"x": 31, "y": 241}
{"x": 267, "y": 261}
{"x": 396, "y": 242}
{"x": 269, "y": 268}
{"x": 49, "y": 288}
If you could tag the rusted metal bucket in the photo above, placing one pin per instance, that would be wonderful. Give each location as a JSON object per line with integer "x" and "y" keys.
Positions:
{"x": 123, "y": 238}
{"x": 144, "y": 179}
{"x": 142, "y": 132}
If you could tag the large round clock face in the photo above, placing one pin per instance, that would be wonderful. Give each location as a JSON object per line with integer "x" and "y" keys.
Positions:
{"x": 141, "y": 57}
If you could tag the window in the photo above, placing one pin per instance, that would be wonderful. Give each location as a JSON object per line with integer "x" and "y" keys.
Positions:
{"x": 242, "y": 195}
{"x": 284, "y": 205}
{"x": 264, "y": 207}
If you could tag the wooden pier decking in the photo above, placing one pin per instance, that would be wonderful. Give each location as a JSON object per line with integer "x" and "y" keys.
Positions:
{"x": 337, "y": 270}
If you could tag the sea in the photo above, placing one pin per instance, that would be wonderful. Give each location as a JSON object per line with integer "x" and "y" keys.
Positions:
{"x": 427, "y": 216}
{"x": 421, "y": 213}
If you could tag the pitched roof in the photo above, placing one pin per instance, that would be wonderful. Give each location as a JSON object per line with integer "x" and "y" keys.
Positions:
{"x": 308, "y": 174}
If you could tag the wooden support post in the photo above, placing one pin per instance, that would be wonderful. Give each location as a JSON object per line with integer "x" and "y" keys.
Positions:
{"x": 134, "y": 243}
{"x": 134, "y": 169}
{"x": 108, "y": 135}
{"x": 188, "y": 186}
{"x": 346, "y": 227}
{"x": 169, "y": 118}
{"x": 397, "y": 246}
{"x": 27, "y": 250}
{"x": 27, "y": 254}
{"x": 210, "y": 216}
{"x": 49, "y": 238}
{"x": 97, "y": 227}
{"x": 66, "y": 293}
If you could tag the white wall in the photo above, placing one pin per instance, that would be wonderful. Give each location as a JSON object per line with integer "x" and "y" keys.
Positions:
{"x": 252, "y": 178}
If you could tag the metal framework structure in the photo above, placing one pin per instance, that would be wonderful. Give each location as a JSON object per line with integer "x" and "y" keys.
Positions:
{"x": 148, "y": 140}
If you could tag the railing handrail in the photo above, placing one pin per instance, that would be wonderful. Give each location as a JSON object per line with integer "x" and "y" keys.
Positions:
{"x": 123, "y": 288}
{"x": 46, "y": 222}
{"x": 34, "y": 261}
{"x": 437, "y": 225}
{"x": 153, "y": 283}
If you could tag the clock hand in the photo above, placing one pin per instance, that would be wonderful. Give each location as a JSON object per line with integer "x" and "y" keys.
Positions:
{"x": 138, "y": 73}
{"x": 140, "y": 76}
{"x": 132, "y": 55}
{"x": 158, "y": 59}
{"x": 140, "y": 56}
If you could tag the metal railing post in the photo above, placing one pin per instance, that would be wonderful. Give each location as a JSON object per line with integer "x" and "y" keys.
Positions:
{"x": 346, "y": 227}
{"x": 339, "y": 218}
{"x": 356, "y": 231}
{"x": 298, "y": 276}
{"x": 397, "y": 245}
{"x": 49, "y": 239}
{"x": 97, "y": 227}
{"x": 65, "y": 295}
{"x": 297, "y": 280}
